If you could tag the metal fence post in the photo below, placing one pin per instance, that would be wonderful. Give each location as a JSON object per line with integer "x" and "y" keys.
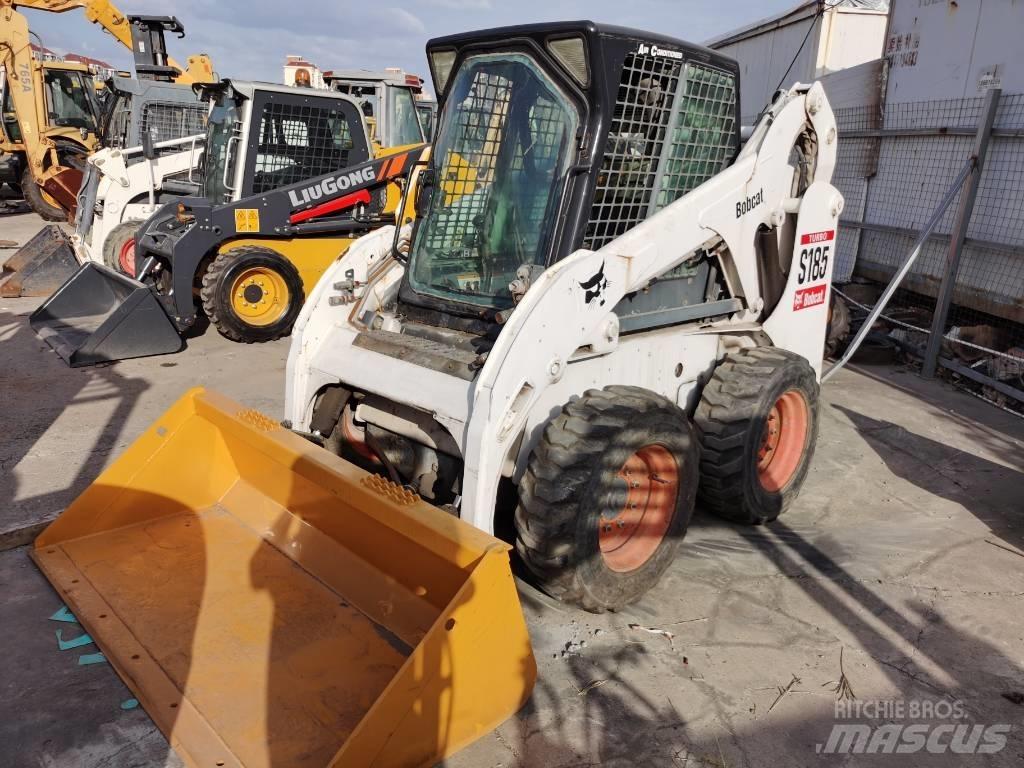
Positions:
{"x": 959, "y": 234}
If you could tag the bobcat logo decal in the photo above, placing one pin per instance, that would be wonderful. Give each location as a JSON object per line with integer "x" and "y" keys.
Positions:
{"x": 595, "y": 287}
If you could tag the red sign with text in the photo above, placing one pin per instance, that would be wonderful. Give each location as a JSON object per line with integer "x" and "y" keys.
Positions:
{"x": 818, "y": 237}
{"x": 809, "y": 297}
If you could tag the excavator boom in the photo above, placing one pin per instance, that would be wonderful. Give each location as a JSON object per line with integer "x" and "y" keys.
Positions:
{"x": 109, "y": 17}
{"x": 25, "y": 81}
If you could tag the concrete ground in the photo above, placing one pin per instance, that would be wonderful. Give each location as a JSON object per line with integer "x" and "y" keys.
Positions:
{"x": 897, "y": 576}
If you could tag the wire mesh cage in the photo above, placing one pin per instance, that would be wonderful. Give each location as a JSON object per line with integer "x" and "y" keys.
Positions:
{"x": 703, "y": 134}
{"x": 299, "y": 142}
{"x": 673, "y": 129}
{"x": 168, "y": 120}
{"x": 627, "y": 180}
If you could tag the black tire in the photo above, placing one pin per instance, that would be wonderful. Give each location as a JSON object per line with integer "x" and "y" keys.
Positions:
{"x": 838, "y": 324}
{"x": 731, "y": 420}
{"x": 118, "y": 237}
{"x": 34, "y": 197}
{"x": 572, "y": 482}
{"x": 217, "y": 299}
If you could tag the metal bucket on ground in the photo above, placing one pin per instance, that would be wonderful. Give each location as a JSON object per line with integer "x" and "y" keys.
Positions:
{"x": 40, "y": 266}
{"x": 272, "y": 605}
{"x": 99, "y": 315}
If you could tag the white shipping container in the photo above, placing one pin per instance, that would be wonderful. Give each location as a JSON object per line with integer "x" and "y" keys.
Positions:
{"x": 951, "y": 49}
{"x": 833, "y": 38}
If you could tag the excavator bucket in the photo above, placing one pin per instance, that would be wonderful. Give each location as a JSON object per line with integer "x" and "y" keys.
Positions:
{"x": 273, "y": 605}
{"x": 99, "y": 315}
{"x": 40, "y": 266}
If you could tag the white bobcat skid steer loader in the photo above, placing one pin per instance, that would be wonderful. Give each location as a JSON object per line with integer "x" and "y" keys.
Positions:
{"x": 606, "y": 308}
{"x": 121, "y": 189}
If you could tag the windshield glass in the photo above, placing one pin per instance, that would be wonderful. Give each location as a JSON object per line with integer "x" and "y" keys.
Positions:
{"x": 221, "y": 150}
{"x": 70, "y": 98}
{"x": 404, "y": 125}
{"x": 499, "y": 169}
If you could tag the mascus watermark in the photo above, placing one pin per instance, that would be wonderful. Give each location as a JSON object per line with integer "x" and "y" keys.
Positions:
{"x": 913, "y": 726}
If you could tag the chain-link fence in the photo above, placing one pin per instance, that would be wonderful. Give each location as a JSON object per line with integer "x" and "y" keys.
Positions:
{"x": 895, "y": 166}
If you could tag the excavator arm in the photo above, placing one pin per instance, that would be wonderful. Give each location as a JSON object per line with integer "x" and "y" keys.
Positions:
{"x": 110, "y": 17}
{"x": 16, "y": 60}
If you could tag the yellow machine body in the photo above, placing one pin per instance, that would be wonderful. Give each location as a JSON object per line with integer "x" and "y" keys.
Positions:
{"x": 310, "y": 255}
{"x": 273, "y": 605}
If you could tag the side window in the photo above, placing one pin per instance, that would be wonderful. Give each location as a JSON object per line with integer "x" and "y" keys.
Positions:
{"x": 167, "y": 120}
{"x": 68, "y": 103}
{"x": 674, "y": 128}
{"x": 702, "y": 141}
{"x": 10, "y": 120}
{"x": 299, "y": 142}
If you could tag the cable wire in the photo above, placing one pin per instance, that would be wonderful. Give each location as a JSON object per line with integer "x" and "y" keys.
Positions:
{"x": 814, "y": 23}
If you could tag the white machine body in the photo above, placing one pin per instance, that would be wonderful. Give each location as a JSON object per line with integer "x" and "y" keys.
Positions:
{"x": 561, "y": 339}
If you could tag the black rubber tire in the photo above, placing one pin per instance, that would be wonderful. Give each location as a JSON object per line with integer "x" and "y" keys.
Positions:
{"x": 34, "y": 197}
{"x": 838, "y": 325}
{"x": 115, "y": 239}
{"x": 216, "y": 293}
{"x": 571, "y": 478}
{"x": 730, "y": 420}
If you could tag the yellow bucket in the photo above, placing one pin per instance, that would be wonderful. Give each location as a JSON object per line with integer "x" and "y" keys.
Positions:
{"x": 273, "y": 605}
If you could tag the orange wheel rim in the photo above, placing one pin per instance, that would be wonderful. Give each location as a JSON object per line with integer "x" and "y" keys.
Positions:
{"x": 783, "y": 441}
{"x": 631, "y": 536}
{"x": 126, "y": 257}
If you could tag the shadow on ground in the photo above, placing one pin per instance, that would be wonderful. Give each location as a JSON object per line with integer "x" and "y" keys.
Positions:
{"x": 40, "y": 395}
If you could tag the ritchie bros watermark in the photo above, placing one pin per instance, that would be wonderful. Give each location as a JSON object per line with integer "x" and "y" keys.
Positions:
{"x": 911, "y": 726}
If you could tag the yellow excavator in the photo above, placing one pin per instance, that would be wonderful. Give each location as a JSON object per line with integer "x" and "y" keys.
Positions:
{"x": 50, "y": 111}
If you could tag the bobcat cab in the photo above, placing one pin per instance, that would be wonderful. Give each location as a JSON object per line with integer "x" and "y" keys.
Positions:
{"x": 289, "y": 178}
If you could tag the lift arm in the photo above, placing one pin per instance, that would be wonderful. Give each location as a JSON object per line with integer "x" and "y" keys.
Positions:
{"x": 108, "y": 16}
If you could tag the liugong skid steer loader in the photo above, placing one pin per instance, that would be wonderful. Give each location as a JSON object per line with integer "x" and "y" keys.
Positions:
{"x": 288, "y": 182}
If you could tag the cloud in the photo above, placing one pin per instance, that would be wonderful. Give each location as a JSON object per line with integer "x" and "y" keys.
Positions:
{"x": 248, "y": 39}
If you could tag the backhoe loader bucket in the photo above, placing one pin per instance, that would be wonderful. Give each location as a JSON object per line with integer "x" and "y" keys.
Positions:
{"x": 40, "y": 265}
{"x": 273, "y": 605}
{"x": 99, "y": 315}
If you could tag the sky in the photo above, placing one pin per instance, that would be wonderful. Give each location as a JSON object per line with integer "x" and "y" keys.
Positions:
{"x": 248, "y": 39}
